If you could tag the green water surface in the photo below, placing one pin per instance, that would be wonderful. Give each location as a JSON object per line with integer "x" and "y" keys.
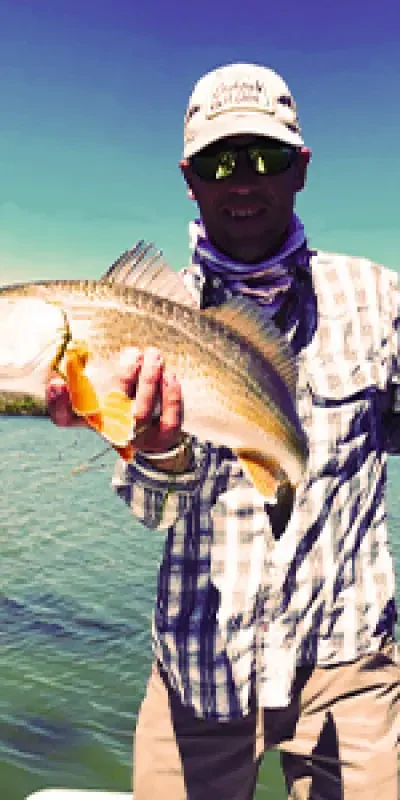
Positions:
{"x": 78, "y": 579}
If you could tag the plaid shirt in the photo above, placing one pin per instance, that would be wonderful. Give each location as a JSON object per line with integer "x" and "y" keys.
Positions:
{"x": 237, "y": 610}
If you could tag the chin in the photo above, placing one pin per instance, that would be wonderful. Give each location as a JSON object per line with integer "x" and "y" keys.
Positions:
{"x": 250, "y": 249}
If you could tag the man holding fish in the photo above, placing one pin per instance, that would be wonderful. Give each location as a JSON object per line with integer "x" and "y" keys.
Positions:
{"x": 275, "y": 614}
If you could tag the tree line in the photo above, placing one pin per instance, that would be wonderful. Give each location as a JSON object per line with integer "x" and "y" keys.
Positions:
{"x": 21, "y": 405}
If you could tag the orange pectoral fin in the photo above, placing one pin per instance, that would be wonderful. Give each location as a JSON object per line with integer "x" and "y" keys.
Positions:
{"x": 83, "y": 396}
{"x": 112, "y": 416}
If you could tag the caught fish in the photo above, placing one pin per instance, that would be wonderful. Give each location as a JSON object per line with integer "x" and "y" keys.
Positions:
{"x": 237, "y": 372}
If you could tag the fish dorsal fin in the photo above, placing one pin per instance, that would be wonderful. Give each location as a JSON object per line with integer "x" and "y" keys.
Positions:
{"x": 129, "y": 260}
{"x": 143, "y": 267}
{"x": 248, "y": 320}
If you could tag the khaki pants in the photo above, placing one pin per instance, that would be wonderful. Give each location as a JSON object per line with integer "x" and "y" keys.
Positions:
{"x": 338, "y": 739}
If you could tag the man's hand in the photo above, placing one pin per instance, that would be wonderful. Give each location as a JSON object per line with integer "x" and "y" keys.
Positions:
{"x": 158, "y": 398}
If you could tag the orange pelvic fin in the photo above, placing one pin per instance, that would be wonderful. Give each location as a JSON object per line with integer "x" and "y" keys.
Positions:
{"x": 265, "y": 473}
{"x": 127, "y": 453}
{"x": 116, "y": 421}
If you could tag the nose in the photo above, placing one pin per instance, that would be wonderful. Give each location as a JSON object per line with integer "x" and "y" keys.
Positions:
{"x": 244, "y": 176}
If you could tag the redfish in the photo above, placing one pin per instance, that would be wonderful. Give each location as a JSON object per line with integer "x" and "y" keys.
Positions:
{"x": 237, "y": 371}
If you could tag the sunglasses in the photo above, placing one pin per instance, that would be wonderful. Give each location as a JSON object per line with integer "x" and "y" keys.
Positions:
{"x": 264, "y": 157}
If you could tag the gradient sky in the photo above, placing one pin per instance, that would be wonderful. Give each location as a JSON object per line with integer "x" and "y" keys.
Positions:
{"x": 92, "y": 98}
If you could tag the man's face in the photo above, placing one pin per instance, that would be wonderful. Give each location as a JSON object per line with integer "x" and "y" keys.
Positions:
{"x": 246, "y": 214}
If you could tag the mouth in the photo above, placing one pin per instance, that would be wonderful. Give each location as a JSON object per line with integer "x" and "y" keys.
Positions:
{"x": 243, "y": 213}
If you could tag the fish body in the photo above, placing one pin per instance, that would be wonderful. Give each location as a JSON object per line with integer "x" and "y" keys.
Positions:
{"x": 237, "y": 373}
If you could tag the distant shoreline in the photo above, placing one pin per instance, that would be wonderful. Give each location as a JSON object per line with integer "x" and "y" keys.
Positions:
{"x": 21, "y": 406}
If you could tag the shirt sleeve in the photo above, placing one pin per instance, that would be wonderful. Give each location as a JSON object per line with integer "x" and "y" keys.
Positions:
{"x": 391, "y": 414}
{"x": 159, "y": 499}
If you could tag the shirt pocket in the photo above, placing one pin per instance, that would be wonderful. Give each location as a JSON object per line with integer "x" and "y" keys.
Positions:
{"x": 343, "y": 415}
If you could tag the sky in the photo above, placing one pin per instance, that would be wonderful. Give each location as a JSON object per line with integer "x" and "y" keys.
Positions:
{"x": 92, "y": 99}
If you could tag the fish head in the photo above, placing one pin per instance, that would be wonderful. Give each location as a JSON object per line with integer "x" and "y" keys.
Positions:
{"x": 33, "y": 334}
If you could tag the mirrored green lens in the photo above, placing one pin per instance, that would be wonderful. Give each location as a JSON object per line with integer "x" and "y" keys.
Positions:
{"x": 226, "y": 163}
{"x": 214, "y": 166}
{"x": 270, "y": 161}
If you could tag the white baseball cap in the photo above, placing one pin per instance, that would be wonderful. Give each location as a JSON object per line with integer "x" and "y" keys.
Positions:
{"x": 240, "y": 98}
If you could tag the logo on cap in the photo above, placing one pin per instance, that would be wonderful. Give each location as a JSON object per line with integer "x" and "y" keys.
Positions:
{"x": 244, "y": 95}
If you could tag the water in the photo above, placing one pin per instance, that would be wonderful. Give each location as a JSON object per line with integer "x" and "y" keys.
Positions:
{"x": 78, "y": 578}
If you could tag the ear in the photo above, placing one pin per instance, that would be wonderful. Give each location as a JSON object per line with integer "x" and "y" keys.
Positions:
{"x": 301, "y": 164}
{"x": 186, "y": 172}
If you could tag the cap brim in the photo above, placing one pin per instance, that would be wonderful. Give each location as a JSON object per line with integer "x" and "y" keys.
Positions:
{"x": 235, "y": 124}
